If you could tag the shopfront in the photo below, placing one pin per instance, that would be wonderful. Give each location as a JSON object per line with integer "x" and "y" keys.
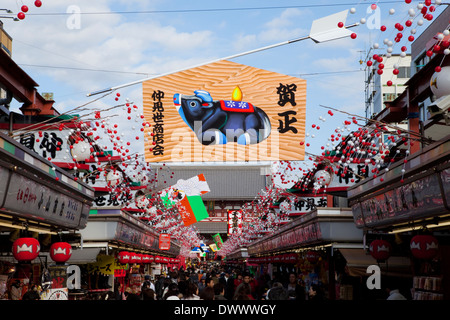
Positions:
{"x": 128, "y": 250}
{"x": 410, "y": 211}
{"x": 42, "y": 208}
{"x": 308, "y": 247}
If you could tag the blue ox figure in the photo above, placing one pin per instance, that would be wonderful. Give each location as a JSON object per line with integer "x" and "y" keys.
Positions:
{"x": 221, "y": 121}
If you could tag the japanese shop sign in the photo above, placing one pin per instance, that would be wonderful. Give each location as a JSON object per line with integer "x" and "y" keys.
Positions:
{"x": 164, "y": 241}
{"x": 224, "y": 112}
{"x": 234, "y": 221}
{"x": 105, "y": 265}
{"x": 29, "y": 198}
{"x": 307, "y": 204}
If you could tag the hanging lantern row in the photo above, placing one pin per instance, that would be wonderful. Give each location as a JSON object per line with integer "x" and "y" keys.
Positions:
{"x": 28, "y": 249}
{"x": 424, "y": 247}
{"x": 280, "y": 258}
{"x": 125, "y": 257}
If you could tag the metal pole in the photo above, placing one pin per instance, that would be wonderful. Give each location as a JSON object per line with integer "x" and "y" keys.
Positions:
{"x": 199, "y": 65}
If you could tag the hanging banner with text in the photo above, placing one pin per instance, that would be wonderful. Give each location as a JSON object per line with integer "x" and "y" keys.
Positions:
{"x": 224, "y": 112}
{"x": 164, "y": 241}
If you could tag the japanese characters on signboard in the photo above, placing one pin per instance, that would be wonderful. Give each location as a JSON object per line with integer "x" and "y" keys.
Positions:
{"x": 164, "y": 241}
{"x": 234, "y": 220}
{"x": 224, "y": 112}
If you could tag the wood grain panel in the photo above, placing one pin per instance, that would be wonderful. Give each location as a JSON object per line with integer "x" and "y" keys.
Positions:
{"x": 259, "y": 87}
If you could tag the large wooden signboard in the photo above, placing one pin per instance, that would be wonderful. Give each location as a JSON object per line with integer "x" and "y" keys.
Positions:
{"x": 224, "y": 112}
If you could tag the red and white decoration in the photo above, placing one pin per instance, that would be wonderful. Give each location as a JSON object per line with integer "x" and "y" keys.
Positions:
{"x": 312, "y": 256}
{"x": 424, "y": 246}
{"x": 380, "y": 249}
{"x": 124, "y": 257}
{"x": 60, "y": 251}
{"x": 26, "y": 249}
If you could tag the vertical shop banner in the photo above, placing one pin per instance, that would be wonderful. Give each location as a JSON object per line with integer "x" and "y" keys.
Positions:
{"x": 234, "y": 221}
{"x": 164, "y": 241}
{"x": 218, "y": 241}
{"x": 224, "y": 112}
{"x": 186, "y": 195}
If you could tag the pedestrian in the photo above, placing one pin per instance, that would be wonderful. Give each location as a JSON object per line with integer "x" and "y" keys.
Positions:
{"x": 148, "y": 294}
{"x": 207, "y": 294}
{"x": 294, "y": 289}
{"x": 132, "y": 293}
{"x": 392, "y": 289}
{"x": 227, "y": 281}
{"x": 202, "y": 283}
{"x": 191, "y": 292}
{"x": 277, "y": 292}
{"x": 243, "y": 292}
{"x": 219, "y": 291}
{"x": 172, "y": 292}
{"x": 32, "y": 294}
{"x": 247, "y": 279}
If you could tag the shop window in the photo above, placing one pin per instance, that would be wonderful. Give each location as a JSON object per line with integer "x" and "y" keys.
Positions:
{"x": 404, "y": 72}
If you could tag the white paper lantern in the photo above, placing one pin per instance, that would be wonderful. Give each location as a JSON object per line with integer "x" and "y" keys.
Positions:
{"x": 285, "y": 206}
{"x": 114, "y": 178}
{"x": 141, "y": 202}
{"x": 81, "y": 150}
{"x": 440, "y": 82}
{"x": 323, "y": 177}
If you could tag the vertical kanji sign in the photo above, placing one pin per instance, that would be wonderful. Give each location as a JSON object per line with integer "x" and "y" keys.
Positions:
{"x": 164, "y": 241}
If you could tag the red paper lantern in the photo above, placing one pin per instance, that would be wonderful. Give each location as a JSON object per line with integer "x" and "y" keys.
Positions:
{"x": 133, "y": 257}
{"x": 380, "y": 249}
{"x": 146, "y": 258}
{"x": 26, "y": 249}
{"x": 60, "y": 251}
{"x": 124, "y": 257}
{"x": 312, "y": 256}
{"x": 157, "y": 259}
{"x": 424, "y": 246}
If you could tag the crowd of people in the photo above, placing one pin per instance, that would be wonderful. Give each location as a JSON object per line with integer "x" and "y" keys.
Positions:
{"x": 221, "y": 284}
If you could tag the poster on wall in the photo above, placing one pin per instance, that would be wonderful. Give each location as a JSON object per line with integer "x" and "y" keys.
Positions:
{"x": 224, "y": 112}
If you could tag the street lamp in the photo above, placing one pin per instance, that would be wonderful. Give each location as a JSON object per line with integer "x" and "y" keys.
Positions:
{"x": 322, "y": 30}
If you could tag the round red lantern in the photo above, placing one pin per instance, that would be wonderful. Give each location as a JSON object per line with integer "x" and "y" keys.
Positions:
{"x": 424, "y": 246}
{"x": 380, "y": 249}
{"x": 60, "y": 251}
{"x": 312, "y": 256}
{"x": 145, "y": 258}
{"x": 26, "y": 249}
{"x": 134, "y": 258}
{"x": 124, "y": 257}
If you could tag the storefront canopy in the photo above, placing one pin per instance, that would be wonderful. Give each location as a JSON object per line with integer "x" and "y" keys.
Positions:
{"x": 358, "y": 260}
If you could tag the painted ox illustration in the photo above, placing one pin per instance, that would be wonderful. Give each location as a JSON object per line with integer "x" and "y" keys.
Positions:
{"x": 222, "y": 121}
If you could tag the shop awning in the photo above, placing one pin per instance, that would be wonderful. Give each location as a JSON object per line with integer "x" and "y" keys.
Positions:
{"x": 358, "y": 261}
{"x": 82, "y": 256}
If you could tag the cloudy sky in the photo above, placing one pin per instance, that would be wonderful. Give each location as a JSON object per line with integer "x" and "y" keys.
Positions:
{"x": 72, "y": 48}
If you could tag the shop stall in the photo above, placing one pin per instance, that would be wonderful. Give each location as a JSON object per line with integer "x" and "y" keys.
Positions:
{"x": 41, "y": 210}
{"x": 410, "y": 211}
{"x": 307, "y": 246}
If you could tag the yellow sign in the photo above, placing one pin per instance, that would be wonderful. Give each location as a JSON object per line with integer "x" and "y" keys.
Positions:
{"x": 105, "y": 265}
{"x": 224, "y": 112}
